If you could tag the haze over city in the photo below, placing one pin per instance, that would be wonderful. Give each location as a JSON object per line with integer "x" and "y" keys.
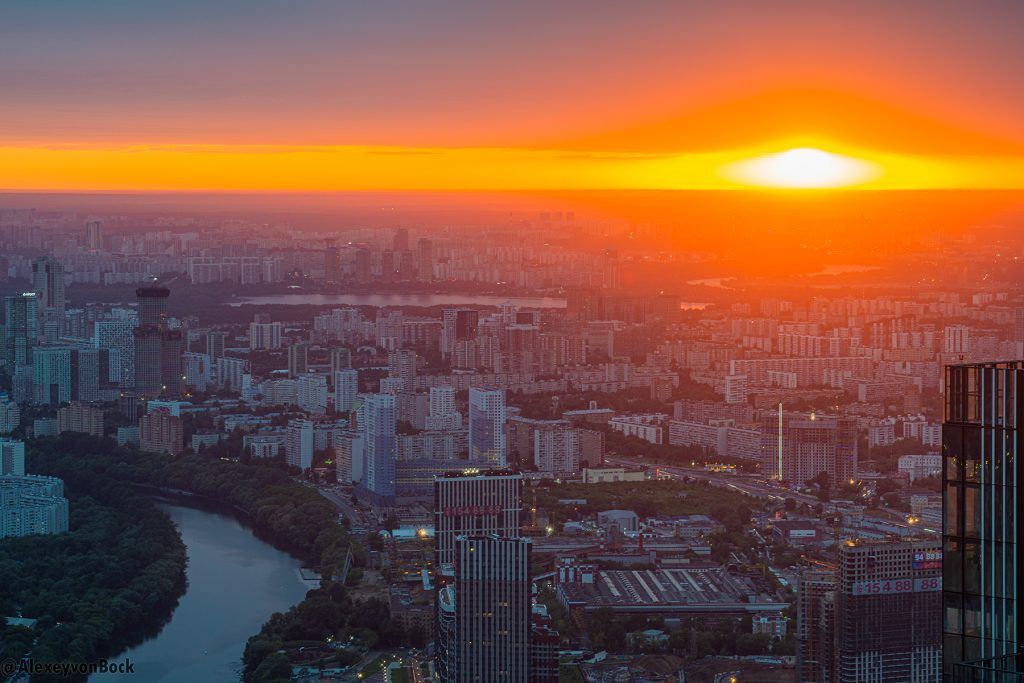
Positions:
{"x": 462, "y": 342}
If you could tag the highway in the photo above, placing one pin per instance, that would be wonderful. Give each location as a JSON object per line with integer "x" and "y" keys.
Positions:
{"x": 752, "y": 487}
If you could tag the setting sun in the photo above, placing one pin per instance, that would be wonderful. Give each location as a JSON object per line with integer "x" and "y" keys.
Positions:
{"x": 803, "y": 167}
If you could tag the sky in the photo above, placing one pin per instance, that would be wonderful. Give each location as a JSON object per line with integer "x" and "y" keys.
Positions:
{"x": 442, "y": 95}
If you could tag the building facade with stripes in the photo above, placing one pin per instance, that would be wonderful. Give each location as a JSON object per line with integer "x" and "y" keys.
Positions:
{"x": 981, "y": 526}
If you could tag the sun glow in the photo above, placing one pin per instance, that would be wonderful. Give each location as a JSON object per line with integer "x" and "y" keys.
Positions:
{"x": 802, "y": 168}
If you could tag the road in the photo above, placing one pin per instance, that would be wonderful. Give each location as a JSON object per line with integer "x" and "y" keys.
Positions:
{"x": 342, "y": 499}
{"x": 757, "y": 489}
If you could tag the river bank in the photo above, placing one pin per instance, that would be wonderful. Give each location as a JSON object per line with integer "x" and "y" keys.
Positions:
{"x": 235, "y": 583}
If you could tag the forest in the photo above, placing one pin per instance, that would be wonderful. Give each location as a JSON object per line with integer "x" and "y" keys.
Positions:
{"x": 113, "y": 579}
{"x": 289, "y": 515}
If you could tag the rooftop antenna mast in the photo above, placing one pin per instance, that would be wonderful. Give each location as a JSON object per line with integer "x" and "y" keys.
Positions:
{"x": 779, "y": 471}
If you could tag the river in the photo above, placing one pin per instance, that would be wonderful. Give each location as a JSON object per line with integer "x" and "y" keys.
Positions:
{"x": 381, "y": 300}
{"x": 235, "y": 582}
{"x": 424, "y": 300}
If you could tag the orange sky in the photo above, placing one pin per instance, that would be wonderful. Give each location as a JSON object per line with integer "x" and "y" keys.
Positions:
{"x": 459, "y": 96}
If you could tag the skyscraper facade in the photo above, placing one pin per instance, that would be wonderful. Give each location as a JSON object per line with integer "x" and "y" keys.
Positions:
{"x": 889, "y": 612}
{"x": 815, "y": 626}
{"x": 475, "y": 503}
{"x": 157, "y": 347}
{"x": 21, "y": 329}
{"x": 492, "y": 610}
{"x": 981, "y": 520}
{"x": 48, "y": 284}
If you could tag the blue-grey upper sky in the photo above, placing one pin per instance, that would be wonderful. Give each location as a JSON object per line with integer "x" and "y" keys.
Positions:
{"x": 433, "y": 72}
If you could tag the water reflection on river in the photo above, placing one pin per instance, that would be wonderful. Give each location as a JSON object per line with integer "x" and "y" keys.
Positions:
{"x": 235, "y": 582}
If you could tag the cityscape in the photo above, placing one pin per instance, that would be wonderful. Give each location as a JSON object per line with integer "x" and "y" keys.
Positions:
{"x": 449, "y": 380}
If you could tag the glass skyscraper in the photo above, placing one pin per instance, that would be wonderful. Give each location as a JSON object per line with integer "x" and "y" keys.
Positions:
{"x": 981, "y": 484}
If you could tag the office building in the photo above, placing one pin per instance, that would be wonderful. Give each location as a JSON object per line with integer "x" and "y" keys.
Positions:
{"x": 158, "y": 348}
{"x": 492, "y": 617}
{"x": 487, "y": 426}
{"x": 21, "y": 329}
{"x": 981, "y": 521}
{"x": 475, "y": 503}
{"x": 889, "y": 612}
{"x": 32, "y": 505}
{"x": 48, "y": 284}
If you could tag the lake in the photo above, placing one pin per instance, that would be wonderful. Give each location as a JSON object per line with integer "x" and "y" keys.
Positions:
{"x": 235, "y": 582}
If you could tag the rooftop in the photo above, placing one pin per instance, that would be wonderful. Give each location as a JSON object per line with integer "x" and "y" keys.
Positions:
{"x": 700, "y": 587}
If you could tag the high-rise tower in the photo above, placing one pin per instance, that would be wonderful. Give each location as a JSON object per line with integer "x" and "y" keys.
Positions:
{"x": 982, "y": 484}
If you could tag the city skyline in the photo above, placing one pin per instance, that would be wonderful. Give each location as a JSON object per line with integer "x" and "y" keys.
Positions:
{"x": 457, "y": 342}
